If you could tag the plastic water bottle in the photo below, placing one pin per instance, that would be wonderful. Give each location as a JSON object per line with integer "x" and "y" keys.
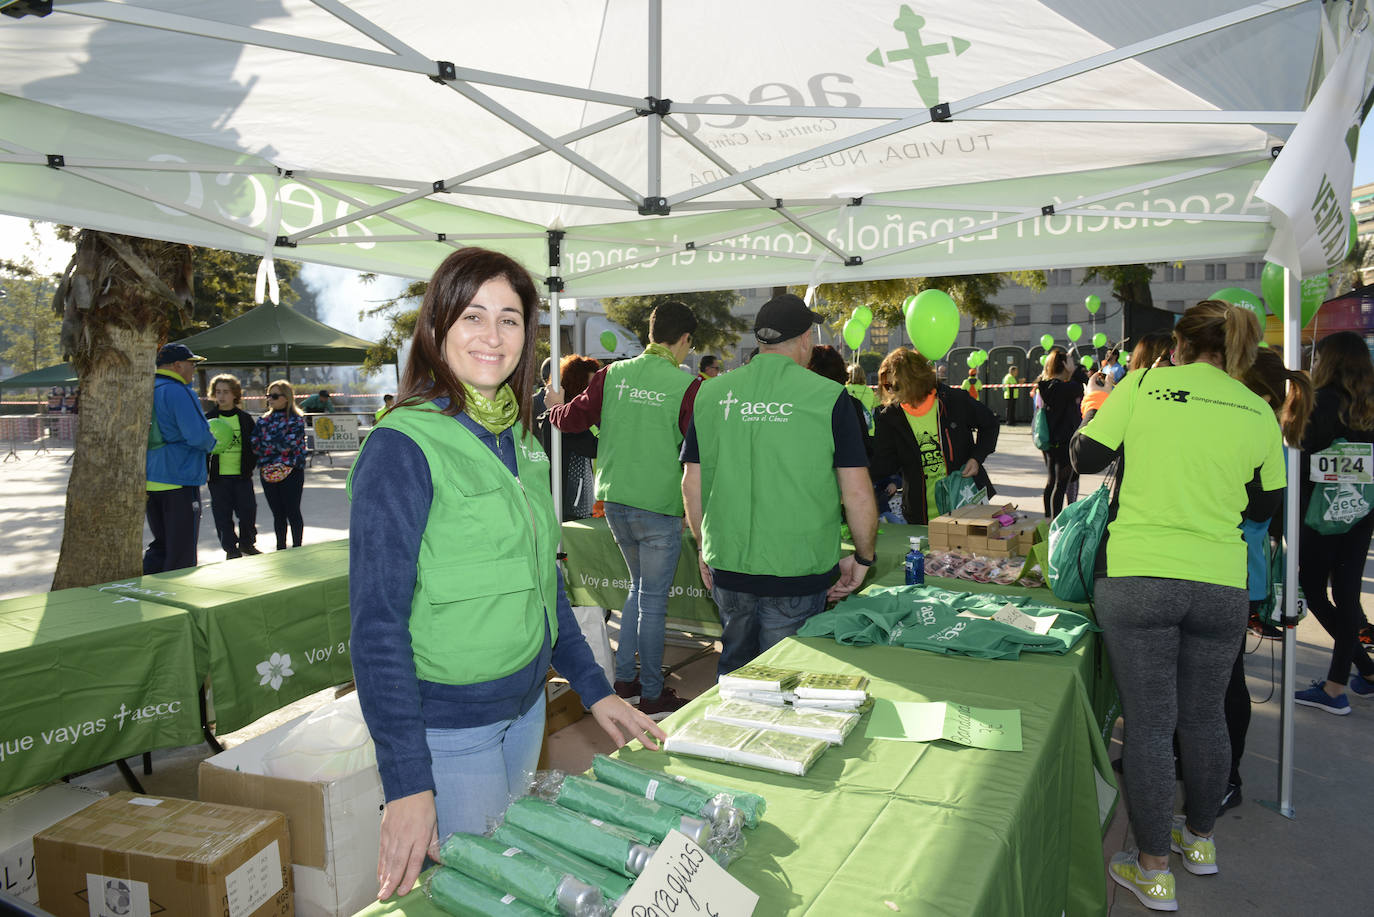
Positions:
{"x": 915, "y": 564}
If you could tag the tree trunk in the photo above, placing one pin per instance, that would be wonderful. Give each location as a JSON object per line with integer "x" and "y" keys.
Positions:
{"x": 116, "y": 299}
{"x": 103, "y": 537}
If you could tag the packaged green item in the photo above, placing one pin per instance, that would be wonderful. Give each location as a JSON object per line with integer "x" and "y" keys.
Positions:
{"x": 464, "y": 896}
{"x": 512, "y": 869}
{"x": 829, "y": 725}
{"x": 774, "y": 751}
{"x": 612, "y": 846}
{"x": 750, "y": 805}
{"x": 613, "y": 885}
{"x": 954, "y": 490}
{"x": 757, "y": 677}
{"x": 830, "y": 686}
{"x": 612, "y": 804}
{"x": 714, "y": 805}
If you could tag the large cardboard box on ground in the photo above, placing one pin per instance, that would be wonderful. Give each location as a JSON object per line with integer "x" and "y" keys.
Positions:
{"x": 136, "y": 856}
{"x": 21, "y": 817}
{"x": 335, "y": 825}
{"x": 968, "y": 528}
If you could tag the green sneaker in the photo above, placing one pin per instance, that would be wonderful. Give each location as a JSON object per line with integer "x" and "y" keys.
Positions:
{"x": 1199, "y": 853}
{"x": 1154, "y": 888}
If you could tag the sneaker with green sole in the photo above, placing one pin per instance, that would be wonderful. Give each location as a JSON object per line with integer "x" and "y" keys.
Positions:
{"x": 1199, "y": 853}
{"x": 1154, "y": 887}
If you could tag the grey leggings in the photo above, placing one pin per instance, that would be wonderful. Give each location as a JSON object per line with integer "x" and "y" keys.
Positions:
{"x": 1172, "y": 645}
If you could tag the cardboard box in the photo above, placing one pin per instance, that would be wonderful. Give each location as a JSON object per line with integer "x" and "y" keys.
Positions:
{"x": 335, "y": 826}
{"x": 970, "y": 529}
{"x": 135, "y": 856}
{"x": 21, "y": 817}
{"x": 564, "y": 706}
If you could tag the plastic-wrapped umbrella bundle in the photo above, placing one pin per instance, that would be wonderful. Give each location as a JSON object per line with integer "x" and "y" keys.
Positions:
{"x": 464, "y": 896}
{"x": 609, "y": 803}
{"x": 613, "y": 885}
{"x": 530, "y": 879}
{"x": 750, "y": 805}
{"x": 612, "y": 846}
{"x": 714, "y": 807}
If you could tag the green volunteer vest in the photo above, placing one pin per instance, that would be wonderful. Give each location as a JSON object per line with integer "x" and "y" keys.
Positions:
{"x": 1012, "y": 393}
{"x": 637, "y": 457}
{"x": 486, "y": 578}
{"x": 770, "y": 500}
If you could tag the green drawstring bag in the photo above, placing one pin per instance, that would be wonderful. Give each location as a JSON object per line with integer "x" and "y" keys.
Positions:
{"x": 1040, "y": 430}
{"x": 1335, "y": 507}
{"x": 1075, "y": 535}
{"x": 954, "y": 490}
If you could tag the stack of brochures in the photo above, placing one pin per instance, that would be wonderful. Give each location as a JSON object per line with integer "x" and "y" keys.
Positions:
{"x": 777, "y": 687}
{"x": 829, "y": 725}
{"x": 753, "y": 747}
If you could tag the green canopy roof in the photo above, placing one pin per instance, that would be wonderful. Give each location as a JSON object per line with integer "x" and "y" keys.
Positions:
{"x": 275, "y": 335}
{"x": 61, "y": 374}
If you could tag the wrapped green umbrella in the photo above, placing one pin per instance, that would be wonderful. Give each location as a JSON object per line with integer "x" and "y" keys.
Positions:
{"x": 528, "y": 878}
{"x": 609, "y": 803}
{"x": 613, "y": 885}
{"x": 612, "y": 846}
{"x": 464, "y": 896}
{"x": 664, "y": 789}
{"x": 750, "y": 805}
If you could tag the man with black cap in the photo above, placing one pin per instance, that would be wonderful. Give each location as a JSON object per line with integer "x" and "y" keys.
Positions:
{"x": 179, "y": 441}
{"x": 641, "y": 408}
{"x": 773, "y": 452}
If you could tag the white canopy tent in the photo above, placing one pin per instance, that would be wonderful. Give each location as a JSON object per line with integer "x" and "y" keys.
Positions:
{"x": 630, "y": 146}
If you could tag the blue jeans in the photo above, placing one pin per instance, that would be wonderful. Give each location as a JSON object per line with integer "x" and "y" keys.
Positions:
{"x": 650, "y": 543}
{"x": 752, "y": 623}
{"x": 477, "y": 770}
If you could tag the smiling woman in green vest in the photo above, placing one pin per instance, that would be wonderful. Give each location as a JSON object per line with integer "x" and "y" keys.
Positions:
{"x": 457, "y": 602}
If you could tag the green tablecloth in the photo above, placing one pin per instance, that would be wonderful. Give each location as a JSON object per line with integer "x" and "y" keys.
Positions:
{"x": 933, "y": 828}
{"x": 269, "y": 629}
{"x": 597, "y": 575}
{"x": 87, "y": 678}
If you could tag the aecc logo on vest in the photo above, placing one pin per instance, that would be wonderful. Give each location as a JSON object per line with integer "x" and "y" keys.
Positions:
{"x": 644, "y": 396}
{"x": 755, "y": 411}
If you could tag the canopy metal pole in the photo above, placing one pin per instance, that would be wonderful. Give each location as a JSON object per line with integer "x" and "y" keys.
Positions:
{"x": 654, "y": 122}
{"x": 555, "y": 341}
{"x": 1292, "y": 358}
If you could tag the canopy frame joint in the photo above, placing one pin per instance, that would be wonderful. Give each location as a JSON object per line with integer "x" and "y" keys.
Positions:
{"x": 654, "y": 206}
{"x": 445, "y": 71}
{"x": 655, "y": 106}
{"x": 941, "y": 112}
{"x": 284, "y": 242}
{"x": 57, "y": 161}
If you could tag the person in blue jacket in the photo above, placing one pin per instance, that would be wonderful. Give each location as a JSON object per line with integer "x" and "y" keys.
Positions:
{"x": 457, "y": 602}
{"x": 179, "y": 441}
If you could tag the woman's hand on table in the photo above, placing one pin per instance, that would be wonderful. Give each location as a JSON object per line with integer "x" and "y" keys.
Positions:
{"x": 623, "y": 722}
{"x": 410, "y": 830}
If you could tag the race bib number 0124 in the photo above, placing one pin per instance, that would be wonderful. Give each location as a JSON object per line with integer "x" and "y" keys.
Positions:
{"x": 1344, "y": 463}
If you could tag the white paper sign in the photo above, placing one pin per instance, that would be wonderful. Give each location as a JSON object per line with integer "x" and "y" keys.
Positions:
{"x": 112, "y": 896}
{"x": 336, "y": 433}
{"x": 682, "y": 880}
{"x": 255, "y": 882}
{"x": 1010, "y": 614}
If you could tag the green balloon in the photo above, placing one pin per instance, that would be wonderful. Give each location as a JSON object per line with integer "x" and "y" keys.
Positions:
{"x": 907, "y": 305}
{"x": 1044, "y": 357}
{"x": 1086, "y": 360}
{"x": 864, "y": 315}
{"x": 977, "y": 358}
{"x": 853, "y": 333}
{"x": 982, "y": 356}
{"x": 1047, "y": 341}
{"x": 1099, "y": 340}
{"x": 1074, "y": 331}
{"x": 1093, "y": 303}
{"x": 1243, "y": 299}
{"x": 1354, "y": 236}
{"x": 933, "y": 323}
{"x": 1313, "y": 295}
{"x": 1271, "y": 285}
{"x": 608, "y": 340}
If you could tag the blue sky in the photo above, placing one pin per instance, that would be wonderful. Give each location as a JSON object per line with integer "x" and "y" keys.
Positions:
{"x": 1364, "y": 154}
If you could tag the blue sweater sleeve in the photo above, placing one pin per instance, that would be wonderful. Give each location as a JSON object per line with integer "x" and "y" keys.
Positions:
{"x": 572, "y": 657}
{"x": 189, "y": 421}
{"x": 391, "y": 492}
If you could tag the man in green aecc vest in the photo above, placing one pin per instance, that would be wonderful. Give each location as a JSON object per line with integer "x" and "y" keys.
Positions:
{"x": 773, "y": 452}
{"x": 642, "y": 407}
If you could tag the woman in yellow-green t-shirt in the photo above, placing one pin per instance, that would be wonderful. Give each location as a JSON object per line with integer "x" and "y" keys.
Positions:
{"x": 1202, "y": 452}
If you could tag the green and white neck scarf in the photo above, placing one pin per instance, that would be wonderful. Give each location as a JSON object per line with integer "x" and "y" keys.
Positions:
{"x": 494, "y": 414}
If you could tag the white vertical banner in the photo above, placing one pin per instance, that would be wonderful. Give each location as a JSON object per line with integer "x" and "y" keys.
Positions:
{"x": 1309, "y": 185}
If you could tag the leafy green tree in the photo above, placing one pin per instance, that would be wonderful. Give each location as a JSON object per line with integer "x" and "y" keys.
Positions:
{"x": 717, "y": 326}
{"x": 400, "y": 313}
{"x": 29, "y": 331}
{"x": 1130, "y": 285}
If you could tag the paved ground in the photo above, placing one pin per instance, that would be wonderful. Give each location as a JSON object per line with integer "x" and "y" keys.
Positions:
{"x": 1270, "y": 865}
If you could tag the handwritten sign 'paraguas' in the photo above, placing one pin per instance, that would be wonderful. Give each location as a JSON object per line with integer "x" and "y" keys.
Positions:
{"x": 682, "y": 881}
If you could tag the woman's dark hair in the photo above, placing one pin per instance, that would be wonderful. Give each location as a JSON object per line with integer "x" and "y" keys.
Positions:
{"x": 1217, "y": 327}
{"x": 1289, "y": 393}
{"x": 574, "y": 372}
{"x": 1341, "y": 361}
{"x": 451, "y": 291}
{"x": 826, "y": 361}
{"x": 1151, "y": 346}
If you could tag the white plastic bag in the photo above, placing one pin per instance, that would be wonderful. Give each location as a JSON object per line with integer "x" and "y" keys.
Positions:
{"x": 330, "y": 743}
